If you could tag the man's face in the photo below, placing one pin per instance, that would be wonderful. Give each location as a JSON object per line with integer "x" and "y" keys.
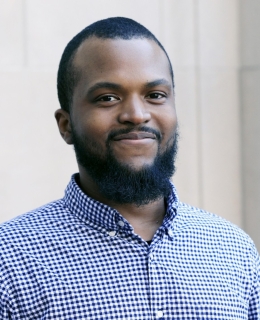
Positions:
{"x": 123, "y": 106}
{"x": 124, "y": 85}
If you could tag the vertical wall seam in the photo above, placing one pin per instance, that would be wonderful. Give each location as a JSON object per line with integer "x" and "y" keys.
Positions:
{"x": 241, "y": 129}
{"x": 240, "y": 107}
{"x": 197, "y": 103}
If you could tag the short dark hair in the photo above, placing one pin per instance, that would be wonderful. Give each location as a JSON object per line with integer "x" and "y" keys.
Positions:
{"x": 111, "y": 28}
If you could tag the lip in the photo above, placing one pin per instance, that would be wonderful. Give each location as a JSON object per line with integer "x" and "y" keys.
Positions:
{"x": 135, "y": 136}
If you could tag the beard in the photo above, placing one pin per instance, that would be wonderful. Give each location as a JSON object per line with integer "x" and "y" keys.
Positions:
{"x": 121, "y": 183}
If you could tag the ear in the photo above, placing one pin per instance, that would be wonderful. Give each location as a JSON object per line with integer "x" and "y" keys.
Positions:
{"x": 64, "y": 125}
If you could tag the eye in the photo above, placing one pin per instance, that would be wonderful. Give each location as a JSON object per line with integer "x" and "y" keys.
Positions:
{"x": 156, "y": 96}
{"x": 107, "y": 98}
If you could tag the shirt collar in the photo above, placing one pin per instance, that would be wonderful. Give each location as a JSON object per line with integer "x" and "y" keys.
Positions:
{"x": 96, "y": 213}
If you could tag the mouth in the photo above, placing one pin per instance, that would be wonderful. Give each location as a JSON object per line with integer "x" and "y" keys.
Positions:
{"x": 135, "y": 136}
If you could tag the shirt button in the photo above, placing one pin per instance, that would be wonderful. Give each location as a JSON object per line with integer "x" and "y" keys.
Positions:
{"x": 152, "y": 256}
{"x": 121, "y": 223}
{"x": 170, "y": 233}
{"x": 112, "y": 233}
{"x": 159, "y": 314}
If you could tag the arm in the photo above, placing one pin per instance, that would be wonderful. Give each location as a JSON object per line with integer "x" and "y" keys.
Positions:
{"x": 5, "y": 303}
{"x": 254, "y": 303}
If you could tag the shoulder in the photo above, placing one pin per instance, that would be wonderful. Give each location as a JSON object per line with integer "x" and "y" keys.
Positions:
{"x": 212, "y": 229}
{"x": 39, "y": 220}
{"x": 196, "y": 217}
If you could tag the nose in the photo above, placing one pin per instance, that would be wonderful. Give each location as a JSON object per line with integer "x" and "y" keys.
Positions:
{"x": 133, "y": 111}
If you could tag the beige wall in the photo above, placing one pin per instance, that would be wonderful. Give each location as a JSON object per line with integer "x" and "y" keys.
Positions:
{"x": 215, "y": 53}
{"x": 250, "y": 114}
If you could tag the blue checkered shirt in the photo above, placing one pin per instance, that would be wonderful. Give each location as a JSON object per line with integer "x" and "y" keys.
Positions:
{"x": 76, "y": 258}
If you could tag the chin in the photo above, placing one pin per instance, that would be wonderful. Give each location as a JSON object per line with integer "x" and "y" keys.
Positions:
{"x": 137, "y": 165}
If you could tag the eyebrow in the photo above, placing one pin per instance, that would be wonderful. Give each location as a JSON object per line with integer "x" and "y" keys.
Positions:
{"x": 103, "y": 85}
{"x": 157, "y": 83}
{"x": 112, "y": 85}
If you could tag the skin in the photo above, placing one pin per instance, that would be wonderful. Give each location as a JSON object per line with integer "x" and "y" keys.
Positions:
{"x": 123, "y": 84}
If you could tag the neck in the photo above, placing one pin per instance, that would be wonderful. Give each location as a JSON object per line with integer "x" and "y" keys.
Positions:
{"x": 145, "y": 219}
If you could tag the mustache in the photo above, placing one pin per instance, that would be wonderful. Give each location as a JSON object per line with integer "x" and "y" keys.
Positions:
{"x": 115, "y": 133}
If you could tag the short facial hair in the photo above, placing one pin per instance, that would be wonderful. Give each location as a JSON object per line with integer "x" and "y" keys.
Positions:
{"x": 120, "y": 182}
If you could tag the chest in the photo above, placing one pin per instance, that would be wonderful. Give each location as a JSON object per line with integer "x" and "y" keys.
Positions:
{"x": 121, "y": 280}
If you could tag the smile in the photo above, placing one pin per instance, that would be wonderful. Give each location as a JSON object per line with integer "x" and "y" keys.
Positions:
{"x": 135, "y": 136}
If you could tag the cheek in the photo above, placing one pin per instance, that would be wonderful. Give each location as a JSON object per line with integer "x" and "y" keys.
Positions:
{"x": 97, "y": 122}
{"x": 169, "y": 126}
{"x": 91, "y": 128}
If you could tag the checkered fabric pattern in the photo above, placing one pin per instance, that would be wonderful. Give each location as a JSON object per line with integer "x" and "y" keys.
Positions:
{"x": 76, "y": 258}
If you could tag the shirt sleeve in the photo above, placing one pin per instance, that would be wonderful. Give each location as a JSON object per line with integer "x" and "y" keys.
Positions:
{"x": 254, "y": 303}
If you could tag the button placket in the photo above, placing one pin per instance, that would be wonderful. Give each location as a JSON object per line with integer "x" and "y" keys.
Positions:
{"x": 157, "y": 286}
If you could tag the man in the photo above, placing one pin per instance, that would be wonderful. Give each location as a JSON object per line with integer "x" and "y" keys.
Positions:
{"x": 120, "y": 245}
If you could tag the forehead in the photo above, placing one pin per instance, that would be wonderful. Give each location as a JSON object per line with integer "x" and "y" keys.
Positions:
{"x": 97, "y": 59}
